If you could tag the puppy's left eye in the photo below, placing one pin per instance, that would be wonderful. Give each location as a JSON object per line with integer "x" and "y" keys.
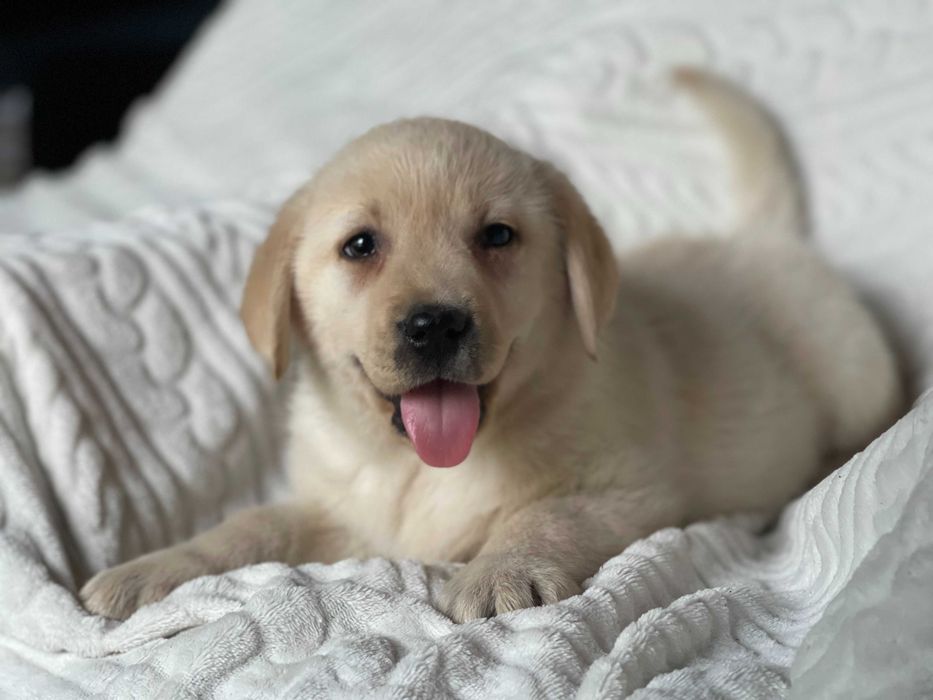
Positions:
{"x": 362, "y": 245}
{"x": 497, "y": 236}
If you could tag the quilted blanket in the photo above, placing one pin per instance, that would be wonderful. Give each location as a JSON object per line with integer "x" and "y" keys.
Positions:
{"x": 133, "y": 412}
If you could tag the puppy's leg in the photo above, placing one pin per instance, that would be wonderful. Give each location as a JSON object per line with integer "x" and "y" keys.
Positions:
{"x": 288, "y": 533}
{"x": 542, "y": 554}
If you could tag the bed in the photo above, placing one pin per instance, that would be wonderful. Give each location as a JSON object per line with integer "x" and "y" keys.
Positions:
{"x": 133, "y": 412}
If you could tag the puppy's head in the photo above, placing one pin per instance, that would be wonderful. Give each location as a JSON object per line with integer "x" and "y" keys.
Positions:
{"x": 427, "y": 258}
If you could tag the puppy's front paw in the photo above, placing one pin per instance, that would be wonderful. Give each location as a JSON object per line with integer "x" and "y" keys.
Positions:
{"x": 497, "y": 583}
{"x": 118, "y": 592}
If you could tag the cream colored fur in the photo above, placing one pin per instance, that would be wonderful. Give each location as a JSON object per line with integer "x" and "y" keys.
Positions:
{"x": 726, "y": 372}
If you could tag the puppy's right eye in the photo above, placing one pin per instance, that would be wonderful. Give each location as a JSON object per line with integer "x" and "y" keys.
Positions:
{"x": 360, "y": 245}
{"x": 497, "y": 236}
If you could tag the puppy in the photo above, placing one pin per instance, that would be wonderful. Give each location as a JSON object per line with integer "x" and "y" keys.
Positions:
{"x": 481, "y": 381}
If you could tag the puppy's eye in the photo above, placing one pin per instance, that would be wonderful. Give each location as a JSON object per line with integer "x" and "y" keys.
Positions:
{"x": 497, "y": 236}
{"x": 360, "y": 245}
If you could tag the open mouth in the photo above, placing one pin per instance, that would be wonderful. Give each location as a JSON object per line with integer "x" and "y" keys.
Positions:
{"x": 441, "y": 419}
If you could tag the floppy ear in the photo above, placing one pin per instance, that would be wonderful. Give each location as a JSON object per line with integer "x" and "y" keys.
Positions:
{"x": 267, "y": 296}
{"x": 592, "y": 269}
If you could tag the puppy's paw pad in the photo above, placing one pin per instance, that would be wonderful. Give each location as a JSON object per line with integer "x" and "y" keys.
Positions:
{"x": 118, "y": 592}
{"x": 495, "y": 584}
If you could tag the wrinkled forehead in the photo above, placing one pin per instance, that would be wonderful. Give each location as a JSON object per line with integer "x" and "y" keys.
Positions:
{"x": 424, "y": 173}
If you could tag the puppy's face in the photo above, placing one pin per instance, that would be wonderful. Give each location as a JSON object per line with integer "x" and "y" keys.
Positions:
{"x": 425, "y": 258}
{"x": 428, "y": 250}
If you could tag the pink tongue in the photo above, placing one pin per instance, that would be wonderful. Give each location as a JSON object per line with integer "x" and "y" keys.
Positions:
{"x": 441, "y": 419}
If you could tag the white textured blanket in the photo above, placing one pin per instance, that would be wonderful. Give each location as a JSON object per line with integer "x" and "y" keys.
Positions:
{"x": 129, "y": 398}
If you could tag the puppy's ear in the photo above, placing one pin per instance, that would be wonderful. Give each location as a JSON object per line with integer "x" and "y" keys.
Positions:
{"x": 592, "y": 270}
{"x": 267, "y": 296}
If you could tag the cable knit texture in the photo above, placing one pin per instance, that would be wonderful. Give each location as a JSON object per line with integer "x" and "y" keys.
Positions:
{"x": 133, "y": 412}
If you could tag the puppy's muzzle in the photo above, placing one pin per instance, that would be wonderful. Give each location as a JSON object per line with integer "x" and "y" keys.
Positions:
{"x": 433, "y": 335}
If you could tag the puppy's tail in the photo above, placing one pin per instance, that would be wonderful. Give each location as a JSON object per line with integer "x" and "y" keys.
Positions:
{"x": 771, "y": 197}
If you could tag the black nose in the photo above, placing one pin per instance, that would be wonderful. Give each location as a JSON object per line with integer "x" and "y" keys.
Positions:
{"x": 436, "y": 329}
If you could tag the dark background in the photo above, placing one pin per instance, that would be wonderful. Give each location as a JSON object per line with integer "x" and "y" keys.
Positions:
{"x": 83, "y": 62}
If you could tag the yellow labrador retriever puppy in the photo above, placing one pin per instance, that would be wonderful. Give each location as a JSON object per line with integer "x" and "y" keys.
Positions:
{"x": 481, "y": 381}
